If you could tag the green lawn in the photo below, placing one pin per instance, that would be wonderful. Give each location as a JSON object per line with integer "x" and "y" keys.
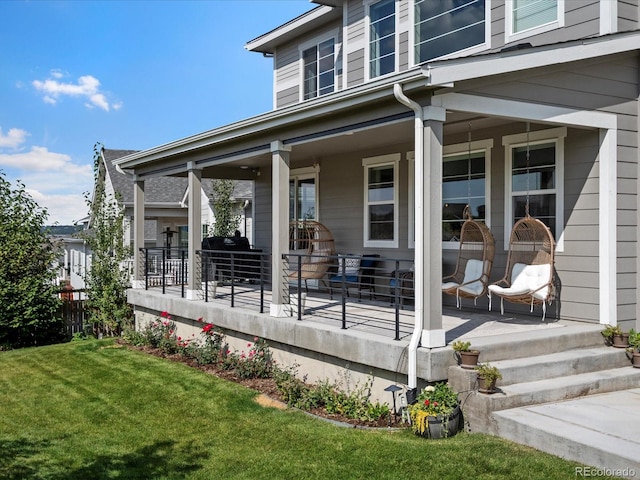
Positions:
{"x": 94, "y": 410}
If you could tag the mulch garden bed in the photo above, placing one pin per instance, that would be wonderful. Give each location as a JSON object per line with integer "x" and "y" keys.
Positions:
{"x": 270, "y": 396}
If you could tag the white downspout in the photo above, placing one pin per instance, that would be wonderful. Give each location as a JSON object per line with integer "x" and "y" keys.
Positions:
{"x": 419, "y": 245}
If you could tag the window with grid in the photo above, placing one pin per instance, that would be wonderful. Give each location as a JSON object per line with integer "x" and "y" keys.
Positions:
{"x": 319, "y": 69}
{"x": 382, "y": 38}
{"x": 446, "y": 26}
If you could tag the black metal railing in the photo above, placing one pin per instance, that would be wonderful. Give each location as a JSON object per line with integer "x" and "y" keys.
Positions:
{"x": 367, "y": 289}
{"x": 387, "y": 281}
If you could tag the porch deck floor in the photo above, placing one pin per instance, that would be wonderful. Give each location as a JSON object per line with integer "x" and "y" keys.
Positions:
{"x": 377, "y": 316}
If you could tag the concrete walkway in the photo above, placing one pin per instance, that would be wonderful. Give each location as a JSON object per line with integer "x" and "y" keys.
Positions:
{"x": 601, "y": 431}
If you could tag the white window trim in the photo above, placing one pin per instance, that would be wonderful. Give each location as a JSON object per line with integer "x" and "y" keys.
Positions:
{"x": 380, "y": 161}
{"x": 454, "y": 149}
{"x": 467, "y": 51}
{"x": 396, "y": 40}
{"x": 306, "y": 173}
{"x": 552, "y": 135}
{"x": 509, "y": 36}
{"x": 333, "y": 34}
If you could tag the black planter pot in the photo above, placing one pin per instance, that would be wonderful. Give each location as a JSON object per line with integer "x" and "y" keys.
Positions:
{"x": 443, "y": 427}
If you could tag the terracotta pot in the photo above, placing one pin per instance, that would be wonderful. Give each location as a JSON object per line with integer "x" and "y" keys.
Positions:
{"x": 635, "y": 359}
{"x": 620, "y": 341}
{"x": 468, "y": 359}
{"x": 486, "y": 387}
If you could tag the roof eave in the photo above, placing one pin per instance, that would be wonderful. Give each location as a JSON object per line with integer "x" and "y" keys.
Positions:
{"x": 308, "y": 21}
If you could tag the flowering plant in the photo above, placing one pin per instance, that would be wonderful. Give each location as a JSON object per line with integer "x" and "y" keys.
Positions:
{"x": 437, "y": 400}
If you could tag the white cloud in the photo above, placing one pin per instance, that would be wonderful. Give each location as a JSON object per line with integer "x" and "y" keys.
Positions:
{"x": 38, "y": 159}
{"x": 88, "y": 87}
{"x": 13, "y": 139}
{"x": 62, "y": 209}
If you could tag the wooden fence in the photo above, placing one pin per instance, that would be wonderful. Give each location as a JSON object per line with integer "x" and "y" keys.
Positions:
{"x": 73, "y": 311}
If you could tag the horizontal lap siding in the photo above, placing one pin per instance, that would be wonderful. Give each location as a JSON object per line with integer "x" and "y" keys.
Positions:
{"x": 627, "y": 15}
{"x": 287, "y": 76}
{"x": 606, "y": 86}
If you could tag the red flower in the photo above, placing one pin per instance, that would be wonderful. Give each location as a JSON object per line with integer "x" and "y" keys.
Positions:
{"x": 179, "y": 339}
{"x": 207, "y": 328}
{"x": 435, "y": 404}
{"x": 426, "y": 402}
{"x": 164, "y": 314}
{"x": 200, "y": 319}
{"x": 248, "y": 344}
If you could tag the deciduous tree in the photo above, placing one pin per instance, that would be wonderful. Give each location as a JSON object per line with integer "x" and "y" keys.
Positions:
{"x": 30, "y": 307}
{"x": 106, "y": 280}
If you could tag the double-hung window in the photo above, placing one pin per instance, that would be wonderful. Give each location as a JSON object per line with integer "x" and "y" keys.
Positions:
{"x": 531, "y": 17}
{"x": 318, "y": 67}
{"x": 442, "y": 27}
{"x": 382, "y": 38}
{"x": 381, "y": 201}
{"x": 465, "y": 181}
{"x": 534, "y": 178}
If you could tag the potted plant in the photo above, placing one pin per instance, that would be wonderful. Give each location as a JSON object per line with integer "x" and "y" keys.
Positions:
{"x": 634, "y": 347}
{"x": 613, "y": 335}
{"x": 465, "y": 356}
{"x": 488, "y": 375}
{"x": 436, "y": 412}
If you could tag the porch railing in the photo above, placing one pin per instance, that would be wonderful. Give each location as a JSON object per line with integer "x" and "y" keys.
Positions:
{"x": 382, "y": 287}
{"x": 384, "y": 281}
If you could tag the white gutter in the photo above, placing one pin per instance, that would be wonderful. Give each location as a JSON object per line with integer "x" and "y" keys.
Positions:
{"x": 419, "y": 246}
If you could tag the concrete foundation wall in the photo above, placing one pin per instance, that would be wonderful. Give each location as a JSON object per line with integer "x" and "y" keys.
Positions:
{"x": 320, "y": 351}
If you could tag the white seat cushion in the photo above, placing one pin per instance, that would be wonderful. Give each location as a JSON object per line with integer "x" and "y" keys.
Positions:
{"x": 472, "y": 276}
{"x": 525, "y": 279}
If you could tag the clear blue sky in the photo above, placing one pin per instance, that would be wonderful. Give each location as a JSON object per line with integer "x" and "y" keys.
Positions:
{"x": 130, "y": 74}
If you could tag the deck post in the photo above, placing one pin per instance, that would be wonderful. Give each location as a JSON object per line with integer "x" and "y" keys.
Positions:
{"x": 279, "y": 227}
{"x": 194, "y": 282}
{"x": 428, "y": 228}
{"x": 138, "y": 233}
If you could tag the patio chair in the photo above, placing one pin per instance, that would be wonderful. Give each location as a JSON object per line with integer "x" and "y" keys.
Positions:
{"x": 530, "y": 267}
{"x": 473, "y": 266}
{"x": 355, "y": 271}
{"x": 316, "y": 243}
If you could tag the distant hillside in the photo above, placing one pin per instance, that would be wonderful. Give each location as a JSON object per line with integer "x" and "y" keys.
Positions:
{"x": 63, "y": 230}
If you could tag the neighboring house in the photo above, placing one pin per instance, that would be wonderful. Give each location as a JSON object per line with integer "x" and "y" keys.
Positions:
{"x": 166, "y": 204}
{"x": 379, "y": 108}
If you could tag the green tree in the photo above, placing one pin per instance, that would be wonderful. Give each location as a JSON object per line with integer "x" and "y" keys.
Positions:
{"x": 106, "y": 280}
{"x": 30, "y": 313}
{"x": 227, "y": 219}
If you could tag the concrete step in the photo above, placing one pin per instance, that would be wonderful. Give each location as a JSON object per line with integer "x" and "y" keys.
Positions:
{"x": 561, "y": 364}
{"x": 477, "y": 407}
{"x": 557, "y": 338}
{"x": 602, "y": 431}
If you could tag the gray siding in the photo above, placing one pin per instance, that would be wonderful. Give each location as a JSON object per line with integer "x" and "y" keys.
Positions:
{"x": 288, "y": 96}
{"x": 355, "y": 68}
{"x": 627, "y": 15}
{"x": 582, "y": 19}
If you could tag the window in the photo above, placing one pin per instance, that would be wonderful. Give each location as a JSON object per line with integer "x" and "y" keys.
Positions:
{"x": 303, "y": 190}
{"x": 381, "y": 201}
{"x": 531, "y": 17}
{"x": 319, "y": 69}
{"x": 465, "y": 180}
{"x": 446, "y": 26}
{"x": 535, "y": 172}
{"x": 382, "y": 38}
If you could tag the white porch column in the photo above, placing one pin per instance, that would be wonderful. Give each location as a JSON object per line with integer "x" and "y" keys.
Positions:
{"x": 608, "y": 226}
{"x": 428, "y": 245}
{"x": 279, "y": 226}
{"x": 194, "y": 276}
{"x": 138, "y": 232}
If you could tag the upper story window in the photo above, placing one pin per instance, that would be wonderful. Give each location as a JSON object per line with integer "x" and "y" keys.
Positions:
{"x": 446, "y": 26}
{"x": 319, "y": 69}
{"x": 531, "y": 17}
{"x": 382, "y": 38}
